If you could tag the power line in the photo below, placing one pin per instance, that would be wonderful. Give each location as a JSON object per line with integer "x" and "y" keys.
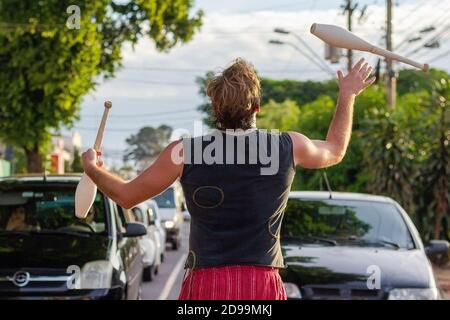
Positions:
{"x": 413, "y": 10}
{"x": 129, "y": 129}
{"x": 175, "y": 69}
{"x": 440, "y": 56}
{"x": 310, "y": 50}
{"x": 406, "y": 39}
{"x": 158, "y": 83}
{"x": 426, "y": 53}
{"x": 153, "y": 114}
{"x": 434, "y": 38}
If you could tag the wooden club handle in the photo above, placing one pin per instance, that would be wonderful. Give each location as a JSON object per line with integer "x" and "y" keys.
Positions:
{"x": 101, "y": 128}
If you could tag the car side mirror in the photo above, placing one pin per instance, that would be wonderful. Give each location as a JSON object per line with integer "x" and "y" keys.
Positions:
{"x": 437, "y": 247}
{"x": 135, "y": 229}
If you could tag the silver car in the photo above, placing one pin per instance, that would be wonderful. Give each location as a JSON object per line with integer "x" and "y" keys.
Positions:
{"x": 161, "y": 231}
{"x": 150, "y": 243}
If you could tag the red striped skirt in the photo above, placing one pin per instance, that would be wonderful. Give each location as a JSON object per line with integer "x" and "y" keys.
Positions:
{"x": 233, "y": 283}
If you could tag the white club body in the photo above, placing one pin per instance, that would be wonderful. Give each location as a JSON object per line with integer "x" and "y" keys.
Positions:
{"x": 342, "y": 38}
{"x": 86, "y": 188}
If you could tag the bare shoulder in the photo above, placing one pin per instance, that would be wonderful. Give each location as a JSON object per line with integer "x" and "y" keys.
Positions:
{"x": 173, "y": 153}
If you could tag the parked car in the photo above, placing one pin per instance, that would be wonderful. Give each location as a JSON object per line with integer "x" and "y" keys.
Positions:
{"x": 171, "y": 207}
{"x": 161, "y": 231}
{"x": 354, "y": 246}
{"x": 151, "y": 242}
{"x": 48, "y": 253}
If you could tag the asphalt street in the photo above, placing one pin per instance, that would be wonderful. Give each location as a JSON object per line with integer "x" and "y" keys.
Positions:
{"x": 167, "y": 283}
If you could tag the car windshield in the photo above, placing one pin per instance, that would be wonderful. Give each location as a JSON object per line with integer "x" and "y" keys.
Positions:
{"x": 358, "y": 223}
{"x": 166, "y": 199}
{"x": 49, "y": 210}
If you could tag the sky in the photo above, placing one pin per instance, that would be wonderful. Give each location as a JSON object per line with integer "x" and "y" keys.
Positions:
{"x": 159, "y": 88}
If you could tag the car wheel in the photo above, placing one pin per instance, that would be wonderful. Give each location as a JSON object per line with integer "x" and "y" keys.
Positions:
{"x": 139, "y": 297}
{"x": 175, "y": 245}
{"x": 148, "y": 274}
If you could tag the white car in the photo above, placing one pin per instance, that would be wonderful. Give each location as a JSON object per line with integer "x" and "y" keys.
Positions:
{"x": 171, "y": 206}
{"x": 150, "y": 243}
{"x": 153, "y": 206}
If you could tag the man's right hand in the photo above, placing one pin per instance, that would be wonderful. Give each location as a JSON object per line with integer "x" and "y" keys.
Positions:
{"x": 356, "y": 80}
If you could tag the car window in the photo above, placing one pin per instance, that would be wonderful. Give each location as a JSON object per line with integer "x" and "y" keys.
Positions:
{"x": 138, "y": 215}
{"x": 360, "y": 223}
{"x": 154, "y": 208}
{"x": 151, "y": 215}
{"x": 48, "y": 209}
{"x": 166, "y": 199}
{"x": 119, "y": 226}
{"x": 123, "y": 215}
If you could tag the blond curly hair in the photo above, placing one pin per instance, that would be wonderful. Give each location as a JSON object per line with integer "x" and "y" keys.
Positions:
{"x": 235, "y": 94}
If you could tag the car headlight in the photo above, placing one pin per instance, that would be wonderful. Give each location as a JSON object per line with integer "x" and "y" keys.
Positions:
{"x": 414, "y": 294}
{"x": 292, "y": 290}
{"x": 96, "y": 275}
{"x": 169, "y": 224}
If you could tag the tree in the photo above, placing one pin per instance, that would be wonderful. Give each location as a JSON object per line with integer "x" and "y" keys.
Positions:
{"x": 46, "y": 67}
{"x": 300, "y": 92}
{"x": 434, "y": 186}
{"x": 76, "y": 165}
{"x": 147, "y": 144}
{"x": 403, "y": 153}
{"x": 281, "y": 116}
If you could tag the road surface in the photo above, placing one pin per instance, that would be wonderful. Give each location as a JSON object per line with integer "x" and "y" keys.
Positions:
{"x": 167, "y": 283}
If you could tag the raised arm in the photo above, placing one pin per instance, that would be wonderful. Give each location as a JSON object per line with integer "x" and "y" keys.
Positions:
{"x": 151, "y": 182}
{"x": 314, "y": 154}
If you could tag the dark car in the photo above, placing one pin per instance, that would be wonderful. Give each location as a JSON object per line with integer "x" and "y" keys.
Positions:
{"x": 354, "y": 246}
{"x": 46, "y": 252}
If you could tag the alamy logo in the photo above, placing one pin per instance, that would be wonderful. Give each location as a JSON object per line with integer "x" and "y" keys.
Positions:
{"x": 374, "y": 280}
{"x": 73, "y": 280}
{"x": 233, "y": 147}
{"x": 74, "y": 20}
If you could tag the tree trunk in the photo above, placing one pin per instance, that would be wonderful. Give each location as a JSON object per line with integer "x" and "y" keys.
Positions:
{"x": 34, "y": 160}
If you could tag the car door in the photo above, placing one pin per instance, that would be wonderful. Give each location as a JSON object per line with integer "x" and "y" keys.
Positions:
{"x": 158, "y": 225}
{"x": 132, "y": 257}
{"x": 154, "y": 234}
{"x": 148, "y": 242}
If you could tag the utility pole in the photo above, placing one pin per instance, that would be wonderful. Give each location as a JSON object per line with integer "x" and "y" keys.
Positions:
{"x": 349, "y": 8}
{"x": 391, "y": 81}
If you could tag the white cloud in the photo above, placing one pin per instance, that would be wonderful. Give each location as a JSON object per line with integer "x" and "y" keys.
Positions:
{"x": 227, "y": 35}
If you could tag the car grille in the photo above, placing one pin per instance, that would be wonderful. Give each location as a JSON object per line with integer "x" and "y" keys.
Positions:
{"x": 341, "y": 293}
{"x": 54, "y": 280}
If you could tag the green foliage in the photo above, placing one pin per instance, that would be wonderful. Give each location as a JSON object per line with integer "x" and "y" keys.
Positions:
{"x": 76, "y": 165}
{"x": 402, "y": 153}
{"x": 411, "y": 81}
{"x": 299, "y": 91}
{"x": 147, "y": 144}
{"x": 46, "y": 68}
{"x": 281, "y": 116}
{"x": 205, "y": 107}
{"x": 434, "y": 185}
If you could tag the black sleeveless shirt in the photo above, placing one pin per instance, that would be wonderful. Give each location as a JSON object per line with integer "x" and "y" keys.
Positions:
{"x": 236, "y": 188}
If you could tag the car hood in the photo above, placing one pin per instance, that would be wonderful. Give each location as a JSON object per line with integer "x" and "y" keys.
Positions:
{"x": 351, "y": 266}
{"x": 51, "y": 251}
